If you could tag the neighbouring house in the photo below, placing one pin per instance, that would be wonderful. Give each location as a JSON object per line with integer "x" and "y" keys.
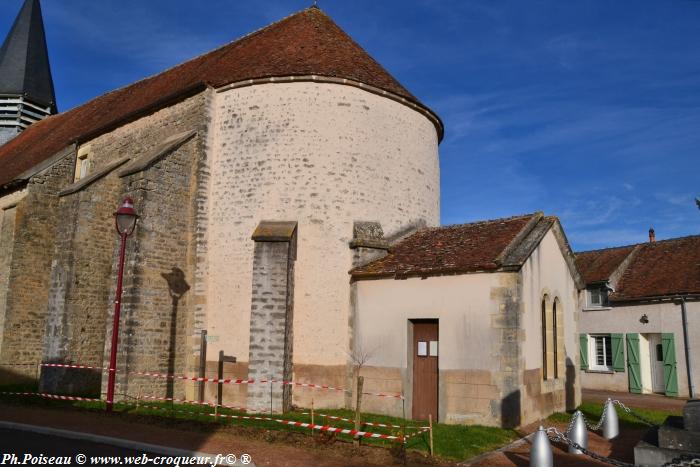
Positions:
{"x": 475, "y": 323}
{"x": 640, "y": 324}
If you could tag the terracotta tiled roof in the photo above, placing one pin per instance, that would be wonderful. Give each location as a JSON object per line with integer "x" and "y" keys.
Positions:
{"x": 599, "y": 265}
{"x": 306, "y": 43}
{"x": 661, "y": 269}
{"x": 452, "y": 249}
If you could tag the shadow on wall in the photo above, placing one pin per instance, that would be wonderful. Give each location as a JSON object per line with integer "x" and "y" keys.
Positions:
{"x": 510, "y": 410}
{"x": 177, "y": 287}
{"x": 17, "y": 375}
{"x": 570, "y": 384}
{"x": 70, "y": 381}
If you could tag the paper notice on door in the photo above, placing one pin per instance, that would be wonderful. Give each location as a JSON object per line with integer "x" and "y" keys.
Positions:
{"x": 422, "y": 349}
{"x": 433, "y": 348}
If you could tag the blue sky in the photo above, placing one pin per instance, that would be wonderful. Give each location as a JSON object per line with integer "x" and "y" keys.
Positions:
{"x": 589, "y": 110}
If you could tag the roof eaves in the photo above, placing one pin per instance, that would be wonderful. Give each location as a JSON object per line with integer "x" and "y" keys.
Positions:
{"x": 655, "y": 298}
{"x": 47, "y": 163}
{"x": 166, "y": 101}
{"x": 424, "y": 274}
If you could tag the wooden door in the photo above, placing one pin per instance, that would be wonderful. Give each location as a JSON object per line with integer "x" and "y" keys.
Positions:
{"x": 425, "y": 369}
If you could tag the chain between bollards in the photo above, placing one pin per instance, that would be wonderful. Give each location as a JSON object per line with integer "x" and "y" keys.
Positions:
{"x": 634, "y": 414}
{"x": 556, "y": 435}
{"x": 576, "y": 438}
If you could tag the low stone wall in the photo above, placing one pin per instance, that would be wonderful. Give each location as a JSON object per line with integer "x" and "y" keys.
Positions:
{"x": 469, "y": 396}
{"x": 541, "y": 398}
{"x": 332, "y": 375}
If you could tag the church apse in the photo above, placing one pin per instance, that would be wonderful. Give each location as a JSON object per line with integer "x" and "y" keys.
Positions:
{"x": 324, "y": 155}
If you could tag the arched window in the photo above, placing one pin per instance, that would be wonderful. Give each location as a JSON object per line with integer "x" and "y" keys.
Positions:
{"x": 550, "y": 316}
{"x": 555, "y": 340}
{"x": 544, "y": 338}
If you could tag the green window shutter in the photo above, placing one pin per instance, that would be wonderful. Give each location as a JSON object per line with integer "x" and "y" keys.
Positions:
{"x": 583, "y": 344}
{"x": 668, "y": 348}
{"x": 618, "y": 352}
{"x": 633, "y": 368}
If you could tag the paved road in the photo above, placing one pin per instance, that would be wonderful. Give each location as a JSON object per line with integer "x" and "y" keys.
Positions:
{"x": 19, "y": 447}
{"x": 23, "y": 442}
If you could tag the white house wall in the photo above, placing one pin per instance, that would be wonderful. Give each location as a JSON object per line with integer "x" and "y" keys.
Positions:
{"x": 663, "y": 318}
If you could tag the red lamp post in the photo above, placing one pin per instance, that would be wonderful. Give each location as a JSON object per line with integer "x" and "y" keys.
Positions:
{"x": 125, "y": 221}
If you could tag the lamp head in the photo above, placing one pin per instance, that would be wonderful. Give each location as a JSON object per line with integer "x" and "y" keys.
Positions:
{"x": 125, "y": 217}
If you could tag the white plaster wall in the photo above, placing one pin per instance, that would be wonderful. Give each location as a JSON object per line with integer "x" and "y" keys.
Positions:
{"x": 462, "y": 304}
{"x": 663, "y": 317}
{"x": 546, "y": 272}
{"x": 324, "y": 155}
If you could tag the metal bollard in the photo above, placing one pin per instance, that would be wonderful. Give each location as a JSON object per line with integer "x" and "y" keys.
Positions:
{"x": 541, "y": 452}
{"x": 611, "y": 424}
{"x": 579, "y": 433}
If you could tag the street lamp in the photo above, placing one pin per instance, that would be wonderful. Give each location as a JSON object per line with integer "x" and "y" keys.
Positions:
{"x": 125, "y": 221}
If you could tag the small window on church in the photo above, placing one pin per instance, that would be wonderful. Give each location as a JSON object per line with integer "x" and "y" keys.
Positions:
{"x": 82, "y": 163}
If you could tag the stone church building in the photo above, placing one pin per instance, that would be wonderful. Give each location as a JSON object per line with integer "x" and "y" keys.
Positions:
{"x": 288, "y": 189}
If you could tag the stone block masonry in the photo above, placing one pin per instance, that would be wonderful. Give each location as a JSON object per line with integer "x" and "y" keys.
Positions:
{"x": 27, "y": 258}
{"x": 271, "y": 316}
{"x": 157, "y": 305}
{"x": 156, "y": 309}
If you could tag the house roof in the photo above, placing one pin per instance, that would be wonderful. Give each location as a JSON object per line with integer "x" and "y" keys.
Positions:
{"x": 599, "y": 265}
{"x": 486, "y": 246}
{"x": 24, "y": 59}
{"x": 307, "y": 43}
{"x": 661, "y": 269}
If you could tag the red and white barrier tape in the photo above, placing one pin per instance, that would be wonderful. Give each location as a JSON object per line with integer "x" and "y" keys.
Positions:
{"x": 362, "y": 434}
{"x": 330, "y": 429}
{"x": 81, "y": 367}
{"x": 383, "y": 425}
{"x": 225, "y": 381}
{"x": 53, "y": 396}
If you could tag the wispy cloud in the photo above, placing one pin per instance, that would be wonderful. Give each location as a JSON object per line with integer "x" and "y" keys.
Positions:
{"x": 130, "y": 33}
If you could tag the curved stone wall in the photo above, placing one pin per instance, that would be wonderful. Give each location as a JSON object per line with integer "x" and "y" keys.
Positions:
{"x": 324, "y": 155}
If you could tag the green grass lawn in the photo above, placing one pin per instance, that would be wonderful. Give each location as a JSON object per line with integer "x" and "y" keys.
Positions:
{"x": 594, "y": 410}
{"x": 450, "y": 441}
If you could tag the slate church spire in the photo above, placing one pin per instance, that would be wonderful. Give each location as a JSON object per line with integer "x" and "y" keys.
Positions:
{"x": 26, "y": 87}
